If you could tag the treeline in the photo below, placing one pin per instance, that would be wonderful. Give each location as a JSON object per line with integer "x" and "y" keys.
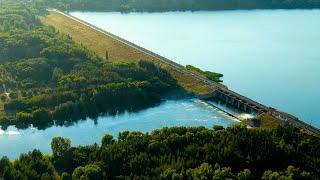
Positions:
{"x": 46, "y": 78}
{"x": 175, "y": 5}
{"x": 177, "y": 153}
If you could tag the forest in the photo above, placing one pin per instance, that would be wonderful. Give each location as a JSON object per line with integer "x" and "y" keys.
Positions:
{"x": 177, "y": 153}
{"x": 46, "y": 78}
{"x": 175, "y": 5}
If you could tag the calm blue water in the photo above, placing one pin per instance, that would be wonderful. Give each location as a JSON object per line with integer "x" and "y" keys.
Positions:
{"x": 272, "y": 56}
{"x": 191, "y": 112}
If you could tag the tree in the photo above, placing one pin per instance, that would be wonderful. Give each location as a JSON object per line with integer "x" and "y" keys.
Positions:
{"x": 13, "y": 174}
{"x": 106, "y": 140}
{"x": 290, "y": 173}
{"x": 65, "y": 176}
{"x": 4, "y": 163}
{"x": 65, "y": 111}
{"x": 170, "y": 174}
{"x": 60, "y": 147}
{"x": 203, "y": 172}
{"x": 91, "y": 171}
{"x": 245, "y": 175}
{"x": 223, "y": 173}
{"x": 24, "y": 117}
{"x": 295, "y": 173}
{"x": 269, "y": 175}
{"x": 41, "y": 114}
{"x": 217, "y": 127}
{"x": 41, "y": 118}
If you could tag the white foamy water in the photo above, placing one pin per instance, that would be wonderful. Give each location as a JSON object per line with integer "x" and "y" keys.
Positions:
{"x": 245, "y": 116}
{"x": 9, "y": 132}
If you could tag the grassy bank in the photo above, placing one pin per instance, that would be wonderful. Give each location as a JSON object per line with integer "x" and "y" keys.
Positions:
{"x": 100, "y": 43}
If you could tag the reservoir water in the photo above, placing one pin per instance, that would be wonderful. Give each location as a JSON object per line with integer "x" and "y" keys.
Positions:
{"x": 188, "y": 112}
{"x": 271, "y": 56}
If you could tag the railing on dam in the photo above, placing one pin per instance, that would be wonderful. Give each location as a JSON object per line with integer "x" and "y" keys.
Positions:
{"x": 216, "y": 87}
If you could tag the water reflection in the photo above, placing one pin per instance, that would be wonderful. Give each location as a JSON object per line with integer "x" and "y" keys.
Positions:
{"x": 186, "y": 112}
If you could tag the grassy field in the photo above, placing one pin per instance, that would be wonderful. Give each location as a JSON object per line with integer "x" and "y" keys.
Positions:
{"x": 100, "y": 43}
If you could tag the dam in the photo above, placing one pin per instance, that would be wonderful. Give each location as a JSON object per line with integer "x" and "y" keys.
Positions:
{"x": 217, "y": 90}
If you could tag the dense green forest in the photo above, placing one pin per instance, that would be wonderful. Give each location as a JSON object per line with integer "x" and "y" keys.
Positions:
{"x": 177, "y": 153}
{"x": 46, "y": 78}
{"x": 176, "y": 5}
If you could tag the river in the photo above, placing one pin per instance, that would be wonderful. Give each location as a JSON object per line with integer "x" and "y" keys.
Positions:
{"x": 271, "y": 56}
{"x": 185, "y": 112}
